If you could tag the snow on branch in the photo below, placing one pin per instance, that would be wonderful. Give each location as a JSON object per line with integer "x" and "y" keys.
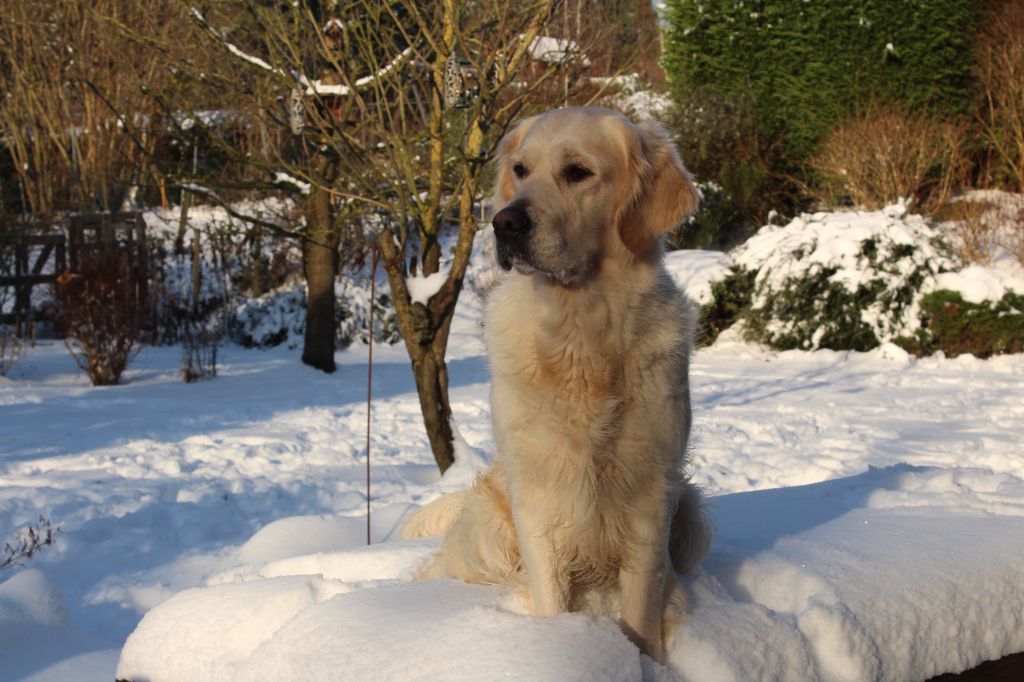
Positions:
{"x": 281, "y": 177}
{"x": 233, "y": 49}
{"x": 555, "y": 50}
{"x": 319, "y": 88}
{"x": 312, "y": 87}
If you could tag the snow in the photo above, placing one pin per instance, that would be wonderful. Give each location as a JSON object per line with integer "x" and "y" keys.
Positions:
{"x": 318, "y": 87}
{"x": 977, "y": 283}
{"x": 834, "y": 239}
{"x": 312, "y": 86}
{"x": 36, "y": 642}
{"x": 288, "y": 179}
{"x": 822, "y": 581}
{"x": 553, "y": 50}
{"x": 694, "y": 271}
{"x": 422, "y": 289}
{"x": 869, "y": 510}
{"x": 633, "y": 96}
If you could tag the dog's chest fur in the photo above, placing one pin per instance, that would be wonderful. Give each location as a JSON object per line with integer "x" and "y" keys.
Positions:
{"x": 558, "y": 362}
{"x": 567, "y": 375}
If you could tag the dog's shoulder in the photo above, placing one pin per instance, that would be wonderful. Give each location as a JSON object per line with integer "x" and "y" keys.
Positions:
{"x": 666, "y": 318}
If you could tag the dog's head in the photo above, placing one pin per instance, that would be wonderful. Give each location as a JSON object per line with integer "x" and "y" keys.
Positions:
{"x": 579, "y": 187}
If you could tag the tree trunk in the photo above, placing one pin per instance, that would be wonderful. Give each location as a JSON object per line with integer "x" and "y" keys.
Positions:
{"x": 320, "y": 265}
{"x": 432, "y": 386}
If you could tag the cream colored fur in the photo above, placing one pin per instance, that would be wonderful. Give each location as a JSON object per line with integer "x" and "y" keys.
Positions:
{"x": 587, "y": 506}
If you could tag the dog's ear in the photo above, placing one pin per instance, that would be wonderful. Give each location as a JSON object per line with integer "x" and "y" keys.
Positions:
{"x": 504, "y": 187}
{"x": 663, "y": 193}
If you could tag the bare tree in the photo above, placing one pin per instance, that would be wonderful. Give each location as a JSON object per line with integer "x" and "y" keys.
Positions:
{"x": 473, "y": 68}
{"x": 380, "y": 118}
{"x": 392, "y": 110}
{"x": 74, "y": 114}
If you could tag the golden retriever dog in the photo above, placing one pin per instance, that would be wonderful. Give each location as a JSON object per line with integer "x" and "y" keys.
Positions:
{"x": 587, "y": 506}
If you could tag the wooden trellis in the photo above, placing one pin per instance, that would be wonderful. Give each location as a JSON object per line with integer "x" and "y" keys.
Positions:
{"x": 29, "y": 260}
{"x": 38, "y": 254}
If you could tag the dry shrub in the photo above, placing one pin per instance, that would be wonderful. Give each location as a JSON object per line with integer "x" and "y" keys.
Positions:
{"x": 200, "y": 344}
{"x": 1014, "y": 236}
{"x": 999, "y": 69}
{"x": 972, "y": 228}
{"x": 102, "y": 313}
{"x": 985, "y": 227}
{"x": 890, "y": 153}
{"x": 28, "y": 542}
{"x": 11, "y": 349}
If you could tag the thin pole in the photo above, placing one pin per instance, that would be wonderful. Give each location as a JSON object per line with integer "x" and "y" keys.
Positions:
{"x": 369, "y": 383}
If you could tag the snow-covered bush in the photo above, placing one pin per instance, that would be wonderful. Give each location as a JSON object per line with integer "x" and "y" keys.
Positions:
{"x": 845, "y": 280}
{"x": 270, "y": 319}
{"x": 730, "y": 300}
{"x": 280, "y": 316}
{"x": 853, "y": 280}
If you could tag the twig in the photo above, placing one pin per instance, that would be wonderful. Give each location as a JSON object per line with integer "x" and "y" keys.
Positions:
{"x": 369, "y": 380}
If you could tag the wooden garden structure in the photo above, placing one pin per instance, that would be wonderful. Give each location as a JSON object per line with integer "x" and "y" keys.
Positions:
{"x": 36, "y": 254}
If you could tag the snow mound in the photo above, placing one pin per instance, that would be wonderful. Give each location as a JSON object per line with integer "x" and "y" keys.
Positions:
{"x": 36, "y": 642}
{"x": 979, "y": 283}
{"x": 30, "y": 597}
{"x": 694, "y": 270}
{"x": 299, "y": 535}
{"x": 897, "y": 573}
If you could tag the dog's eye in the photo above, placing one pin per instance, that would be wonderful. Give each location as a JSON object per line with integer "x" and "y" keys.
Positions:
{"x": 520, "y": 170}
{"x": 576, "y": 173}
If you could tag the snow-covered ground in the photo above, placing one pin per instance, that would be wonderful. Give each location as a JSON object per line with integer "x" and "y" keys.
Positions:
{"x": 869, "y": 511}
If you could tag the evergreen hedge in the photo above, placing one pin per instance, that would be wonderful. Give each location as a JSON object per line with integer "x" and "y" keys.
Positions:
{"x": 956, "y": 326}
{"x": 810, "y": 63}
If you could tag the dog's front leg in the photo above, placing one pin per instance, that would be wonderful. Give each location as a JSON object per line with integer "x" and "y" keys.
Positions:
{"x": 548, "y": 587}
{"x": 642, "y": 581}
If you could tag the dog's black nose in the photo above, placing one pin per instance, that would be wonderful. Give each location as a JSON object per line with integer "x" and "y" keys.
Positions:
{"x": 511, "y": 222}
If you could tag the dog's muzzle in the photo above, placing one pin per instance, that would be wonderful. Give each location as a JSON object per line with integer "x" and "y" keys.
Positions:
{"x": 512, "y": 226}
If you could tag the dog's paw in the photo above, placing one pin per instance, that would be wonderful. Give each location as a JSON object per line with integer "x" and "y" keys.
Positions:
{"x": 673, "y": 615}
{"x": 518, "y": 600}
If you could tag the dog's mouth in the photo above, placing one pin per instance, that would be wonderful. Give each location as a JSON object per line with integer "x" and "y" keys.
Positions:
{"x": 511, "y": 256}
{"x": 567, "y": 277}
